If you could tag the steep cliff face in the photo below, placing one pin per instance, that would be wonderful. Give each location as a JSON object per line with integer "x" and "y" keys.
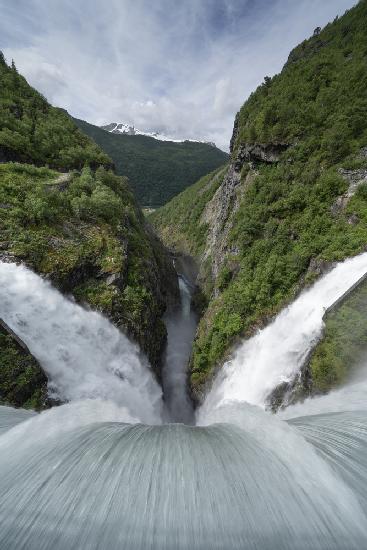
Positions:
{"x": 293, "y": 198}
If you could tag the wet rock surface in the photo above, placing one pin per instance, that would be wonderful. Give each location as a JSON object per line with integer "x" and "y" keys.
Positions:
{"x": 23, "y": 383}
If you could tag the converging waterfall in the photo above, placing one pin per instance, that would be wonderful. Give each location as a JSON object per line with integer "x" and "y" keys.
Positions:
{"x": 104, "y": 471}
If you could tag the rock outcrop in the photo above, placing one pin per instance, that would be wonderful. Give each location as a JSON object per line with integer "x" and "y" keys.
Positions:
{"x": 355, "y": 179}
{"x": 259, "y": 152}
{"x": 218, "y": 215}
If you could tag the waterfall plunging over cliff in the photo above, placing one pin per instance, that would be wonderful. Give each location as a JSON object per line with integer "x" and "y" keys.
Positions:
{"x": 82, "y": 353}
{"x": 276, "y": 353}
{"x": 104, "y": 472}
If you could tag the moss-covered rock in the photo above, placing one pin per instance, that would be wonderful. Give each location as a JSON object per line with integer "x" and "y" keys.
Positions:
{"x": 89, "y": 238}
{"x": 22, "y": 380}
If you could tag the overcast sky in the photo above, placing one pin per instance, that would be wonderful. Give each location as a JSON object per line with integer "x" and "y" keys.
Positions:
{"x": 182, "y": 67}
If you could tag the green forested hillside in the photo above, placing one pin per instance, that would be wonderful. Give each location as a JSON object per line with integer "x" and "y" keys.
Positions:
{"x": 157, "y": 170}
{"x": 282, "y": 209}
{"x": 319, "y": 98}
{"x": 82, "y": 229}
{"x": 33, "y": 131}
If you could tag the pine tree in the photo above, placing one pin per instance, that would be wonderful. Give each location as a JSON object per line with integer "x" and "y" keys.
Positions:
{"x": 13, "y": 66}
{"x": 2, "y": 58}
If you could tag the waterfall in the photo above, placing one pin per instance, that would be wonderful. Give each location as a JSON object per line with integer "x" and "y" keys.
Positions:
{"x": 275, "y": 354}
{"x": 104, "y": 471}
{"x": 82, "y": 353}
{"x": 181, "y": 327}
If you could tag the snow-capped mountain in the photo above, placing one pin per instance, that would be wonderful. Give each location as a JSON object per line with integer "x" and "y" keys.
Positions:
{"x": 122, "y": 128}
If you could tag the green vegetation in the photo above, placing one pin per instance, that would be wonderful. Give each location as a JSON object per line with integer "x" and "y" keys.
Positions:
{"x": 87, "y": 235}
{"x": 188, "y": 232}
{"x": 319, "y": 98}
{"x": 22, "y": 381}
{"x": 82, "y": 229}
{"x": 33, "y": 131}
{"x": 57, "y": 227}
{"x": 157, "y": 170}
{"x": 286, "y": 217}
{"x": 344, "y": 342}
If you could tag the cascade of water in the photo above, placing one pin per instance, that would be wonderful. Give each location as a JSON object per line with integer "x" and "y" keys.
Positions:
{"x": 83, "y": 354}
{"x": 275, "y": 354}
{"x": 10, "y": 417}
{"x": 71, "y": 482}
{"x": 88, "y": 475}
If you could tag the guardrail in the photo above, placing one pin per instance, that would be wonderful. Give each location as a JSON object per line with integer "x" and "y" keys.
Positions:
{"x": 11, "y": 332}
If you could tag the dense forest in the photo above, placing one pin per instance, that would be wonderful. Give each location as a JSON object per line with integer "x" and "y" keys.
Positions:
{"x": 293, "y": 199}
{"x": 157, "y": 170}
{"x": 33, "y": 131}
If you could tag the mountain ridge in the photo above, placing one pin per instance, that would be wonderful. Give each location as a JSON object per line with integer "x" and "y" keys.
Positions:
{"x": 157, "y": 170}
{"x": 123, "y": 128}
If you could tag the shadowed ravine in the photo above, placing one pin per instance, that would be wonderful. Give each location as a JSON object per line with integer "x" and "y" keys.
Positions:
{"x": 181, "y": 326}
{"x": 106, "y": 470}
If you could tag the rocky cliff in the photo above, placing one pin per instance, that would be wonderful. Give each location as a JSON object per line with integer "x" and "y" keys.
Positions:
{"x": 292, "y": 200}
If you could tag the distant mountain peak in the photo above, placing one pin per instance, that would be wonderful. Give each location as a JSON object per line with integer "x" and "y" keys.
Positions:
{"x": 123, "y": 128}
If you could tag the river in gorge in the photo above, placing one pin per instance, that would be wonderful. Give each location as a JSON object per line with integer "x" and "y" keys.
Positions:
{"x": 122, "y": 466}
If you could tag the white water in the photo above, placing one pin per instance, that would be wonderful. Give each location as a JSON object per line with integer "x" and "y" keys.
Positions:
{"x": 87, "y": 475}
{"x": 82, "y": 353}
{"x": 275, "y": 354}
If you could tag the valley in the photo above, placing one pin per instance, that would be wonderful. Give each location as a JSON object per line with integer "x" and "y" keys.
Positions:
{"x": 183, "y": 332}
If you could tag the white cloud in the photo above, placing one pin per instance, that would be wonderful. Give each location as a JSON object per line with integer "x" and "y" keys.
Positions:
{"x": 183, "y": 68}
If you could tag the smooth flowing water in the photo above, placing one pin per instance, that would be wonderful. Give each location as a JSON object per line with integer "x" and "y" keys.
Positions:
{"x": 105, "y": 471}
{"x": 181, "y": 328}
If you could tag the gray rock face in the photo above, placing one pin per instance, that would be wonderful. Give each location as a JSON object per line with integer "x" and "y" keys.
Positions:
{"x": 319, "y": 267}
{"x": 259, "y": 152}
{"x": 218, "y": 214}
{"x": 355, "y": 179}
{"x": 234, "y": 133}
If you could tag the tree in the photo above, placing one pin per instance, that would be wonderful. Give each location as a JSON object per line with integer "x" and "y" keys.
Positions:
{"x": 2, "y": 58}
{"x": 13, "y": 66}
